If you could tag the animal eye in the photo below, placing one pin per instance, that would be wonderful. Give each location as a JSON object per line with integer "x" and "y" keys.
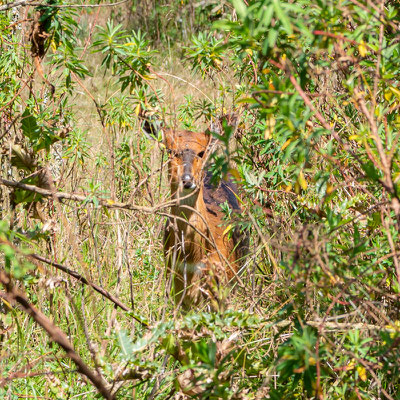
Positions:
{"x": 201, "y": 154}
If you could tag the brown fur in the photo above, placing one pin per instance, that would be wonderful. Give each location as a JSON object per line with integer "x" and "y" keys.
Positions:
{"x": 197, "y": 248}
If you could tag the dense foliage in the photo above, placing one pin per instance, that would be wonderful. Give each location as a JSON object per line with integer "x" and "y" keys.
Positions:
{"x": 308, "y": 97}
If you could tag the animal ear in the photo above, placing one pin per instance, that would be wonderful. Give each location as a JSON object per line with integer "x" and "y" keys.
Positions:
{"x": 152, "y": 128}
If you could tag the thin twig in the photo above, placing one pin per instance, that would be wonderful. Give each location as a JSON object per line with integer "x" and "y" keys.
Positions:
{"x": 25, "y": 375}
{"x": 341, "y": 37}
{"x": 311, "y": 106}
{"x": 183, "y": 80}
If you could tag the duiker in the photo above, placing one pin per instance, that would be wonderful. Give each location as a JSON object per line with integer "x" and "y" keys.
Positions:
{"x": 199, "y": 249}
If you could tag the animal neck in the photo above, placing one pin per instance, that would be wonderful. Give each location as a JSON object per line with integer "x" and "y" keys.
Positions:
{"x": 188, "y": 207}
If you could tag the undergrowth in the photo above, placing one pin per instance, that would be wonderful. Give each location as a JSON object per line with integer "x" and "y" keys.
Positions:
{"x": 307, "y": 99}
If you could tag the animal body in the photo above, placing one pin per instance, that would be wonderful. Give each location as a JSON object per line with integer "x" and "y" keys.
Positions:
{"x": 198, "y": 247}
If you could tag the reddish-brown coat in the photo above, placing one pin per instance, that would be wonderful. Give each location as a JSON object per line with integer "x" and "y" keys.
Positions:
{"x": 196, "y": 244}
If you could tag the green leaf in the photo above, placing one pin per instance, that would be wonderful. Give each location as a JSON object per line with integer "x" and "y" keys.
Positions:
{"x": 240, "y": 8}
{"x": 282, "y": 17}
{"x": 25, "y": 196}
{"x": 125, "y": 344}
{"x": 212, "y": 351}
{"x": 29, "y": 125}
{"x": 272, "y": 36}
{"x": 267, "y": 16}
{"x": 371, "y": 171}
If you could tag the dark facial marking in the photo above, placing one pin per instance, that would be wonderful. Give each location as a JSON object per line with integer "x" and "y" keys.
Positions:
{"x": 187, "y": 176}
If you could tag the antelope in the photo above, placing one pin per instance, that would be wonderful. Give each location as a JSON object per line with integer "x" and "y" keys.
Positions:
{"x": 198, "y": 247}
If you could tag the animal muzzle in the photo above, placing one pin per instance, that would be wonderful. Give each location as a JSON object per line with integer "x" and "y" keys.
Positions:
{"x": 188, "y": 182}
{"x": 187, "y": 175}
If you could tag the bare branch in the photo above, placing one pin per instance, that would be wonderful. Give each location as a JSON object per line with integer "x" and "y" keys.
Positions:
{"x": 15, "y": 4}
{"x": 82, "y": 279}
{"x": 35, "y": 3}
{"x": 56, "y": 334}
{"x": 108, "y": 203}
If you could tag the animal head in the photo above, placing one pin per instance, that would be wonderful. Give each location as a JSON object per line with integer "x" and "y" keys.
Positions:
{"x": 187, "y": 154}
{"x": 187, "y": 150}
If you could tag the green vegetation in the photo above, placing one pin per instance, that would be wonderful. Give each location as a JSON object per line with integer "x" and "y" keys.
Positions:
{"x": 314, "y": 87}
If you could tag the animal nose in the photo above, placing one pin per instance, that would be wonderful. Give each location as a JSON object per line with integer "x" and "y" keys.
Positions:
{"x": 187, "y": 180}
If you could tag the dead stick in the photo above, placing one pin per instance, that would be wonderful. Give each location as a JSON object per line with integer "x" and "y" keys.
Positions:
{"x": 108, "y": 203}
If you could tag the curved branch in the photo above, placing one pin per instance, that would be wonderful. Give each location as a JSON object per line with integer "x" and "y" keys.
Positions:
{"x": 56, "y": 334}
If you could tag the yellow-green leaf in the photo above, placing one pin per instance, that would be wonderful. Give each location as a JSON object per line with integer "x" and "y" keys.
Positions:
{"x": 362, "y": 48}
{"x": 269, "y": 129}
{"x": 362, "y": 373}
{"x": 395, "y": 91}
{"x": 388, "y": 95}
{"x": 286, "y": 144}
{"x": 229, "y": 227}
{"x": 302, "y": 181}
{"x": 137, "y": 109}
